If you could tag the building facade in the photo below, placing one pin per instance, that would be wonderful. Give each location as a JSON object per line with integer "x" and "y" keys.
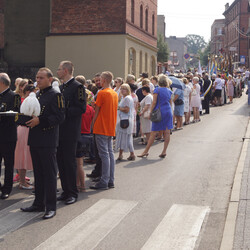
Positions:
{"x": 22, "y": 36}
{"x": 120, "y": 36}
{"x": 177, "y": 49}
{"x": 97, "y": 35}
{"x": 217, "y": 36}
{"x": 236, "y": 25}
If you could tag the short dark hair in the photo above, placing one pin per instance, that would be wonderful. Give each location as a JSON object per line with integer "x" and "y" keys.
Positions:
{"x": 146, "y": 88}
{"x": 133, "y": 87}
{"x": 4, "y": 78}
{"x": 68, "y": 65}
{"x": 81, "y": 79}
{"x": 28, "y": 87}
{"x": 47, "y": 70}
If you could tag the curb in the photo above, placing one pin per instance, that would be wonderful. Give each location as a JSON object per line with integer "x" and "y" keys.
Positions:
{"x": 229, "y": 229}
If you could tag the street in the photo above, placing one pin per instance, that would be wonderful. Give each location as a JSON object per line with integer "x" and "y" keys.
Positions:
{"x": 179, "y": 202}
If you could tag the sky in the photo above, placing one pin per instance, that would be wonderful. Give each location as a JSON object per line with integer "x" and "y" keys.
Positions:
{"x": 183, "y": 17}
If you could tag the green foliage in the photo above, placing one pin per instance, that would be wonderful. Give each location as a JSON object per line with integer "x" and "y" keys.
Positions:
{"x": 205, "y": 54}
{"x": 163, "y": 53}
{"x": 195, "y": 43}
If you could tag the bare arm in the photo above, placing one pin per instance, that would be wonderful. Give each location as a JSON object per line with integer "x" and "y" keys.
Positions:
{"x": 155, "y": 96}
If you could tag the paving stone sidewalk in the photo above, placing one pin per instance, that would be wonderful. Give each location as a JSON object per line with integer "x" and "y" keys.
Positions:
{"x": 242, "y": 228}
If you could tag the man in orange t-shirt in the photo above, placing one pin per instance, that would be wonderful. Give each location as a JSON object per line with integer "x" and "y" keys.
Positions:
{"x": 104, "y": 129}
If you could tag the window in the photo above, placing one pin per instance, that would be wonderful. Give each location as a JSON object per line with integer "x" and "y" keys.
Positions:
{"x": 140, "y": 62}
{"x": 132, "y": 61}
{"x": 141, "y": 16}
{"x": 153, "y": 25}
{"x": 153, "y": 66}
{"x": 146, "y": 20}
{"x": 132, "y": 11}
{"x": 146, "y": 62}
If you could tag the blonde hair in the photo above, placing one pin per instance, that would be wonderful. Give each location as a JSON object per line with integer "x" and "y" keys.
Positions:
{"x": 107, "y": 75}
{"x": 127, "y": 87}
{"x": 21, "y": 84}
{"x": 164, "y": 81}
{"x": 196, "y": 79}
{"x": 130, "y": 78}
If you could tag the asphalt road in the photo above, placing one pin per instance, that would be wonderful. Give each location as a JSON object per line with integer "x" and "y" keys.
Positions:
{"x": 172, "y": 203}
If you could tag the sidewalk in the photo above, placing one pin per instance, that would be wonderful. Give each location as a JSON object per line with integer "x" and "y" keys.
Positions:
{"x": 242, "y": 227}
{"x": 237, "y": 226}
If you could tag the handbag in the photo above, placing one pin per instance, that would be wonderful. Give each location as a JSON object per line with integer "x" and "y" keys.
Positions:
{"x": 194, "y": 93}
{"x": 156, "y": 114}
{"x": 146, "y": 114}
{"x": 178, "y": 102}
{"x": 124, "y": 123}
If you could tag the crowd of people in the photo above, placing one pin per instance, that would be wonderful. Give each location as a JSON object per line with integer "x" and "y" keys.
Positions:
{"x": 84, "y": 120}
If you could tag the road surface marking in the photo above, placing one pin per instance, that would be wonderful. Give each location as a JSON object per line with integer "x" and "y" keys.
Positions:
{"x": 88, "y": 229}
{"x": 12, "y": 218}
{"x": 179, "y": 229}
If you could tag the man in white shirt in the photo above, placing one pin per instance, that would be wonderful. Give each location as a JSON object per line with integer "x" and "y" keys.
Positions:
{"x": 218, "y": 88}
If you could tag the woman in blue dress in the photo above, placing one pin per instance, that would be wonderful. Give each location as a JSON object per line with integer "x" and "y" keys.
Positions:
{"x": 162, "y": 99}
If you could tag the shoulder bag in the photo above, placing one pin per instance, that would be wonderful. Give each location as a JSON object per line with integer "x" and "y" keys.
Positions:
{"x": 156, "y": 114}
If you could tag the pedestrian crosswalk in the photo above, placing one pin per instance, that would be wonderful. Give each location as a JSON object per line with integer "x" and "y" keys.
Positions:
{"x": 179, "y": 228}
{"x": 11, "y": 218}
{"x": 89, "y": 228}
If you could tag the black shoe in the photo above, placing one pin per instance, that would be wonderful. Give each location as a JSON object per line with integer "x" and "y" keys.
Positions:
{"x": 96, "y": 179}
{"x": 70, "y": 200}
{"x": 32, "y": 209}
{"x": 49, "y": 214}
{"x": 92, "y": 175}
{"x": 90, "y": 161}
{"x": 99, "y": 186}
{"x": 4, "y": 196}
{"x": 61, "y": 198}
{"x": 111, "y": 185}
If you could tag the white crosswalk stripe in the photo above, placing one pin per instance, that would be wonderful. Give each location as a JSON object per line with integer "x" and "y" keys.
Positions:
{"x": 90, "y": 227}
{"x": 12, "y": 218}
{"x": 179, "y": 229}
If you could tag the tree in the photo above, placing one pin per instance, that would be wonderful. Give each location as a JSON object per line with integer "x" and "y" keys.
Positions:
{"x": 195, "y": 43}
{"x": 163, "y": 53}
{"x": 205, "y": 54}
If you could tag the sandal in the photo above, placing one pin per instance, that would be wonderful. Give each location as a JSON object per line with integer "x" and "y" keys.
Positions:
{"x": 119, "y": 158}
{"x": 162, "y": 155}
{"x": 131, "y": 158}
{"x": 143, "y": 155}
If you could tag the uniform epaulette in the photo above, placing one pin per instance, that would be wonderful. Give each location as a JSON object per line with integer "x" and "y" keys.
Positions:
{"x": 81, "y": 93}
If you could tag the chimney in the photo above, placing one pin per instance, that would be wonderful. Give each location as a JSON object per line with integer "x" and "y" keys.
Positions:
{"x": 226, "y": 6}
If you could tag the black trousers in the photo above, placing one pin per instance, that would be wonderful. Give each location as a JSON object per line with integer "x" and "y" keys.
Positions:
{"x": 66, "y": 159}
{"x": 7, "y": 152}
{"x": 45, "y": 173}
{"x": 205, "y": 104}
{"x": 98, "y": 167}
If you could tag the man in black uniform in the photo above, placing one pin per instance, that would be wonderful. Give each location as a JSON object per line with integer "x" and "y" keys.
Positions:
{"x": 207, "y": 89}
{"x": 8, "y": 133}
{"x": 43, "y": 140}
{"x": 70, "y": 130}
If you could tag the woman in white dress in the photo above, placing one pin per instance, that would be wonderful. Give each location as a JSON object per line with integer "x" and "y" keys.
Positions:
{"x": 117, "y": 88}
{"x": 196, "y": 99}
{"x": 145, "y": 121}
{"x": 187, "y": 98}
{"x": 124, "y": 136}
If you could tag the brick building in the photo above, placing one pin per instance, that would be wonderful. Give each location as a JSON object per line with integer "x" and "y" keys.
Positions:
{"x": 217, "y": 36}
{"x": 236, "y": 25}
{"x": 97, "y": 35}
{"x": 177, "y": 49}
